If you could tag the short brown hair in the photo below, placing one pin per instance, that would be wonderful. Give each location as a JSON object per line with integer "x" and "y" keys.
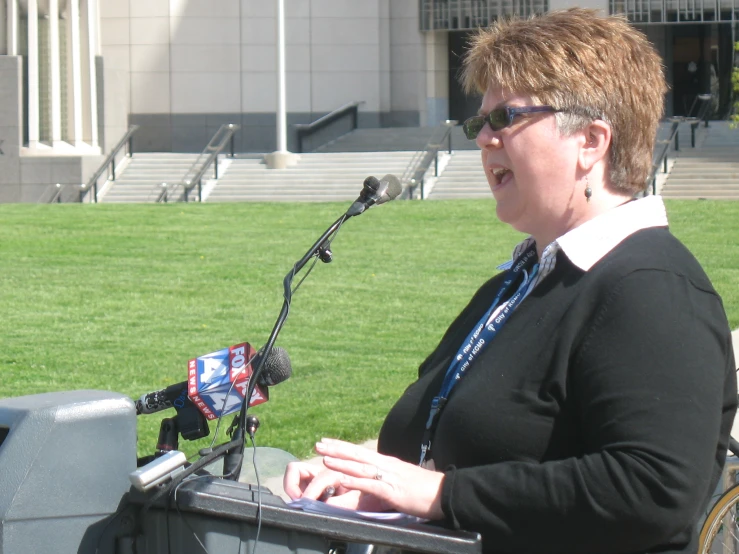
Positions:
{"x": 589, "y": 66}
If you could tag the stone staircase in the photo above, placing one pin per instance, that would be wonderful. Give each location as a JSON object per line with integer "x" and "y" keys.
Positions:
{"x": 318, "y": 177}
{"x": 463, "y": 177}
{"x": 336, "y": 173}
{"x": 141, "y": 179}
{"x": 711, "y": 169}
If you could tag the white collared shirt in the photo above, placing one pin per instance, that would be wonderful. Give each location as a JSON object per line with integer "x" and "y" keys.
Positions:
{"x": 588, "y": 243}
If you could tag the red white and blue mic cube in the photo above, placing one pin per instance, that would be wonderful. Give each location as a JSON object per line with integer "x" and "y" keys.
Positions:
{"x": 223, "y": 376}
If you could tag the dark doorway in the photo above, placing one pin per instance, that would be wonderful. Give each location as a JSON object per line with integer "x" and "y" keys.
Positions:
{"x": 461, "y": 106}
{"x": 722, "y": 56}
{"x": 701, "y": 64}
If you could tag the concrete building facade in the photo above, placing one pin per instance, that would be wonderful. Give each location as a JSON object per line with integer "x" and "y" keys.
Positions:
{"x": 181, "y": 68}
{"x": 75, "y": 74}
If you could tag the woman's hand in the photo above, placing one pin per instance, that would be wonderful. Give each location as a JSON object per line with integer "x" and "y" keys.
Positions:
{"x": 383, "y": 481}
{"x": 304, "y": 480}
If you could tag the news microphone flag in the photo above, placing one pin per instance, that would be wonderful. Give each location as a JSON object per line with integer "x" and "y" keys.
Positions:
{"x": 210, "y": 377}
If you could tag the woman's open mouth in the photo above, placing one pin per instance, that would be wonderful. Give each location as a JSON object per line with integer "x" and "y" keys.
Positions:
{"x": 501, "y": 175}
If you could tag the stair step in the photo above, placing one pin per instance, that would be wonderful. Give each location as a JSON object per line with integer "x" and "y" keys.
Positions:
{"x": 280, "y": 198}
{"x": 336, "y": 175}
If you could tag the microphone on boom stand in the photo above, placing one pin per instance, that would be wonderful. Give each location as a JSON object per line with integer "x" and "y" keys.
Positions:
{"x": 373, "y": 192}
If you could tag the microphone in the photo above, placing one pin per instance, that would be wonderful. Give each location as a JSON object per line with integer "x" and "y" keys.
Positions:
{"x": 171, "y": 397}
{"x": 375, "y": 192}
{"x": 277, "y": 368}
{"x": 218, "y": 382}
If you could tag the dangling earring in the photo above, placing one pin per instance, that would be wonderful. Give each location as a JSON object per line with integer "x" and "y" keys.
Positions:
{"x": 588, "y": 190}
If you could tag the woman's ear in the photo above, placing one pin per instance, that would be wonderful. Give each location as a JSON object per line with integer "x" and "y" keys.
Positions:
{"x": 596, "y": 144}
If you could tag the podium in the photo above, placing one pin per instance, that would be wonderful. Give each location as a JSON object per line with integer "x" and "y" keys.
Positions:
{"x": 223, "y": 515}
{"x": 65, "y": 459}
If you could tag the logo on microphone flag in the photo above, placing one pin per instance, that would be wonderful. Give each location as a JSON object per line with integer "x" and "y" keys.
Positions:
{"x": 210, "y": 377}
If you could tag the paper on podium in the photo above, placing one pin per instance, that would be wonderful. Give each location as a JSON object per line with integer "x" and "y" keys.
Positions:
{"x": 319, "y": 507}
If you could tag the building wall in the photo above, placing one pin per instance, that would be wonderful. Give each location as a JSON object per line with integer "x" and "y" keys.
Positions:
{"x": 11, "y": 127}
{"x": 408, "y": 66}
{"x": 115, "y": 31}
{"x": 564, "y": 4}
{"x": 436, "y": 77}
{"x": 27, "y": 178}
{"x": 181, "y": 68}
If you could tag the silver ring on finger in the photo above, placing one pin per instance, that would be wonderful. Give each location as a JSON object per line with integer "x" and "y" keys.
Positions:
{"x": 378, "y": 474}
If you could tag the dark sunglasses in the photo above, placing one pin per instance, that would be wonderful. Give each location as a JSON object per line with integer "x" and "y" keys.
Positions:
{"x": 499, "y": 118}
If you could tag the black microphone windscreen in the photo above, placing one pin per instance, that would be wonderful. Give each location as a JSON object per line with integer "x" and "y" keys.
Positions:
{"x": 371, "y": 183}
{"x": 277, "y": 368}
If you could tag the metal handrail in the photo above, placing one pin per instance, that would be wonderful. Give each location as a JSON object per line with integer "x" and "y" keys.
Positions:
{"x": 702, "y": 114}
{"x": 661, "y": 160}
{"x": 54, "y": 194}
{"x": 307, "y": 129}
{"x": 194, "y": 175}
{"x": 109, "y": 161}
{"x": 413, "y": 175}
{"x": 58, "y": 193}
{"x": 694, "y": 121}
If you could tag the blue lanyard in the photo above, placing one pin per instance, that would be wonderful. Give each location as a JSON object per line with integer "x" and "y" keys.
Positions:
{"x": 482, "y": 334}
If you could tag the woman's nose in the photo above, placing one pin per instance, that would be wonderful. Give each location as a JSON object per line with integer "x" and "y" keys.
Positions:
{"x": 487, "y": 138}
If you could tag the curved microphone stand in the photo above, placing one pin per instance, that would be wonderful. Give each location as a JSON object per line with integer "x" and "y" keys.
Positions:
{"x": 233, "y": 457}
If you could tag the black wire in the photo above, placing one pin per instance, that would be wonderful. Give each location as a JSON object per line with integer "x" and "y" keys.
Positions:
{"x": 221, "y": 450}
{"x": 177, "y": 481}
{"x": 287, "y": 296}
{"x": 182, "y": 517}
{"x": 228, "y": 393}
{"x": 329, "y": 236}
{"x": 259, "y": 494}
{"x": 166, "y": 525}
{"x": 181, "y": 476}
{"x": 288, "y": 292}
{"x": 328, "y": 242}
{"x": 315, "y": 261}
{"x": 173, "y": 495}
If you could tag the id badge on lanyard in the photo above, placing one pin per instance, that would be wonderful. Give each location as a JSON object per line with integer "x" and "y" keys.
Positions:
{"x": 483, "y": 333}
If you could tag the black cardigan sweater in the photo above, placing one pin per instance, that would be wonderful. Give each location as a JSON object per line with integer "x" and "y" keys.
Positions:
{"x": 597, "y": 420}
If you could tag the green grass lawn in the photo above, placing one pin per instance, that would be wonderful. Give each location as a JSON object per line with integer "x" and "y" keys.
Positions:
{"x": 120, "y": 297}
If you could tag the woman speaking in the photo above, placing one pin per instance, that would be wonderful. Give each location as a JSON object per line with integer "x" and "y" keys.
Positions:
{"x": 582, "y": 400}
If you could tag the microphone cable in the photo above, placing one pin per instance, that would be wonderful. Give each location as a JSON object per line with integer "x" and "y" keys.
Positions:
{"x": 321, "y": 245}
{"x": 288, "y": 291}
{"x": 228, "y": 394}
{"x": 259, "y": 493}
{"x": 325, "y": 239}
{"x": 187, "y": 524}
{"x": 325, "y": 245}
{"x": 208, "y": 451}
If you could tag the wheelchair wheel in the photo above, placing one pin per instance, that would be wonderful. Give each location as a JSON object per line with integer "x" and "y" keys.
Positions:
{"x": 720, "y": 532}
